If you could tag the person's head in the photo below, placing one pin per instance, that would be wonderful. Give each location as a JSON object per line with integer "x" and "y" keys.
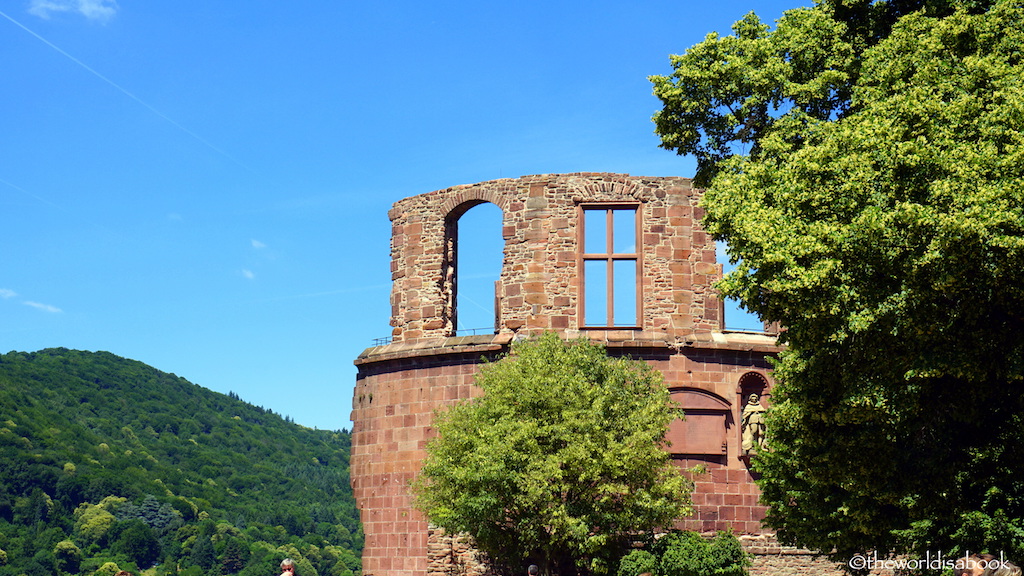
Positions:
{"x": 533, "y": 570}
{"x": 287, "y": 565}
{"x": 980, "y": 565}
{"x": 1007, "y": 569}
{"x": 973, "y": 565}
{"x": 123, "y": 573}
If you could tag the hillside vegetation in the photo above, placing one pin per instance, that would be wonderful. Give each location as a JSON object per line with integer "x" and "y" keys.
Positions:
{"x": 106, "y": 461}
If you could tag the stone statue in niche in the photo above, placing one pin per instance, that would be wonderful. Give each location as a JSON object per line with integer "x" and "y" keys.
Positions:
{"x": 752, "y": 426}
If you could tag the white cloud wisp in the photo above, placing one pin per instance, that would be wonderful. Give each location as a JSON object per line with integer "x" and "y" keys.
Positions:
{"x": 43, "y": 307}
{"x": 99, "y": 10}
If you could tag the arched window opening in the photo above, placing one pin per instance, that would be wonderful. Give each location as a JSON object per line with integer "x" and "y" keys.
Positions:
{"x": 479, "y": 253}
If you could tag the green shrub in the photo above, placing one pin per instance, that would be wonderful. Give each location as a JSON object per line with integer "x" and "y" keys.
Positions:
{"x": 681, "y": 553}
{"x": 637, "y": 562}
{"x": 684, "y": 554}
{"x": 727, "y": 555}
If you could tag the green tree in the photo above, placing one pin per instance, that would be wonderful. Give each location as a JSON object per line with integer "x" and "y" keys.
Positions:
{"x": 42, "y": 564}
{"x": 69, "y": 556}
{"x": 726, "y": 94}
{"x": 560, "y": 461}
{"x": 107, "y": 569}
{"x": 887, "y": 236}
{"x": 203, "y": 554}
{"x": 92, "y": 521}
{"x": 135, "y": 539}
{"x": 235, "y": 556}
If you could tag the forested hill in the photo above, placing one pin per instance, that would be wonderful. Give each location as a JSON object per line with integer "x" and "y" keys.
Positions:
{"x": 105, "y": 461}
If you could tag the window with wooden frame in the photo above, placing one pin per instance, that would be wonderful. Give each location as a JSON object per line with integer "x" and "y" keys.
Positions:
{"x": 610, "y": 266}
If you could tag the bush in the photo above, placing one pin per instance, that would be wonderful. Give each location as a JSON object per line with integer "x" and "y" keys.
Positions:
{"x": 681, "y": 553}
{"x": 637, "y": 562}
{"x": 727, "y": 555}
{"x": 684, "y": 554}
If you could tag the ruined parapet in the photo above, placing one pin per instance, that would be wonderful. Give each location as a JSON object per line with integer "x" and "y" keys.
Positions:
{"x": 542, "y": 286}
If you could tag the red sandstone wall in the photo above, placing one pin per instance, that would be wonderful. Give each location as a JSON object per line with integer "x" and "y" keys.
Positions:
{"x": 393, "y": 406}
{"x": 400, "y": 385}
{"x": 539, "y": 276}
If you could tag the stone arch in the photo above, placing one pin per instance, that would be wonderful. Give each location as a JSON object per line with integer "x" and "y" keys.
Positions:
{"x": 701, "y": 398}
{"x": 453, "y": 210}
{"x": 752, "y": 383}
{"x": 457, "y": 204}
{"x": 611, "y": 189}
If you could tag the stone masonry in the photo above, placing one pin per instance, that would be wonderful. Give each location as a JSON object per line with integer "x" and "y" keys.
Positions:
{"x": 677, "y": 328}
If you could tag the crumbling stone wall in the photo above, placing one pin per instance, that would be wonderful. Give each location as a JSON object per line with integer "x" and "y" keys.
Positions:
{"x": 456, "y": 556}
{"x": 539, "y": 281}
{"x": 773, "y": 559}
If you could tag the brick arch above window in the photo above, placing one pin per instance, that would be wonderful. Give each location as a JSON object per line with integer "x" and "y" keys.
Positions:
{"x": 457, "y": 205}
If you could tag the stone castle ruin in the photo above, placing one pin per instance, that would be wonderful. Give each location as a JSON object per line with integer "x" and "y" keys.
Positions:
{"x": 619, "y": 259}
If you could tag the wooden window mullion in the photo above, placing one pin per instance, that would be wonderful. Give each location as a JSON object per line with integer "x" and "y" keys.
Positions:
{"x": 609, "y": 227}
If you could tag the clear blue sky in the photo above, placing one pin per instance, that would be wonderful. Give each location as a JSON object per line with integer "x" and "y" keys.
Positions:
{"x": 204, "y": 186}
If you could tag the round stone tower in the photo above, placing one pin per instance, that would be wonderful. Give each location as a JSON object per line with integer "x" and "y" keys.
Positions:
{"x": 619, "y": 259}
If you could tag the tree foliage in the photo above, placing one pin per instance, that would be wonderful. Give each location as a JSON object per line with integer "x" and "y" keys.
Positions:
{"x": 885, "y": 230}
{"x": 105, "y": 460}
{"x": 68, "y": 556}
{"x": 559, "y": 461}
{"x": 728, "y": 93}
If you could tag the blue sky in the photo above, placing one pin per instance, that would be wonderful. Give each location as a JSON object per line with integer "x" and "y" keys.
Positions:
{"x": 204, "y": 186}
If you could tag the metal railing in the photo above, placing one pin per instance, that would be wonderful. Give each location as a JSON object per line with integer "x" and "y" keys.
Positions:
{"x": 462, "y": 332}
{"x": 475, "y": 331}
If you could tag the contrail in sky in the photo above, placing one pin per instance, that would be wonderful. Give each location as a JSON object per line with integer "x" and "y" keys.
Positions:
{"x": 41, "y": 199}
{"x": 126, "y": 93}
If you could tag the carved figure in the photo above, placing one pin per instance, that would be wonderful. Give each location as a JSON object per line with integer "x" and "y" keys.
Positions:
{"x": 752, "y": 426}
